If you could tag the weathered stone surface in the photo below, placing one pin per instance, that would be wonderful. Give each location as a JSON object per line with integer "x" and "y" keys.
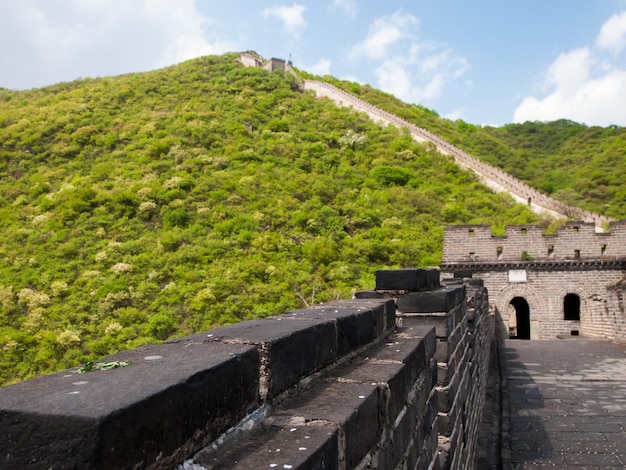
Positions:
{"x": 383, "y": 310}
{"x": 392, "y": 375}
{"x": 351, "y": 406}
{"x": 291, "y": 447}
{"x": 443, "y": 322}
{"x": 371, "y": 294}
{"x": 410, "y": 279}
{"x": 396, "y": 447}
{"x": 289, "y": 349}
{"x": 412, "y": 347}
{"x": 380, "y": 409}
{"x": 172, "y": 400}
{"x": 439, "y": 300}
{"x": 355, "y": 327}
{"x": 432, "y": 278}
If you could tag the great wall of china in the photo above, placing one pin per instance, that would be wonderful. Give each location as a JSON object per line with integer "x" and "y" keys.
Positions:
{"x": 492, "y": 177}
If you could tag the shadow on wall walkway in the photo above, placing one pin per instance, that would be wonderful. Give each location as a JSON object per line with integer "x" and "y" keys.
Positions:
{"x": 567, "y": 404}
{"x": 528, "y": 438}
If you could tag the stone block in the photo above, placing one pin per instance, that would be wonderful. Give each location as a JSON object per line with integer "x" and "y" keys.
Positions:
{"x": 448, "y": 393}
{"x": 355, "y": 327}
{"x": 439, "y": 300}
{"x": 421, "y": 394}
{"x": 413, "y": 452}
{"x": 383, "y": 310}
{"x": 442, "y": 322}
{"x": 392, "y": 376}
{"x": 296, "y": 447}
{"x": 463, "y": 273}
{"x": 371, "y": 294}
{"x": 430, "y": 416}
{"x": 459, "y": 360}
{"x": 401, "y": 437}
{"x": 447, "y": 422}
{"x": 410, "y": 348}
{"x": 289, "y": 349}
{"x": 171, "y": 401}
{"x": 425, "y": 333}
{"x": 410, "y": 279}
{"x": 427, "y": 459}
{"x": 353, "y": 407}
{"x": 432, "y": 279}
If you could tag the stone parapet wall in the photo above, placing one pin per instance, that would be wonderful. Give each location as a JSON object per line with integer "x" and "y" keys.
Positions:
{"x": 574, "y": 241}
{"x": 346, "y": 384}
{"x": 493, "y": 177}
{"x": 464, "y": 334}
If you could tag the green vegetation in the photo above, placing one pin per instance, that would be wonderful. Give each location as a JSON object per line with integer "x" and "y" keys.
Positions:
{"x": 147, "y": 206}
{"x": 582, "y": 166}
{"x": 576, "y": 164}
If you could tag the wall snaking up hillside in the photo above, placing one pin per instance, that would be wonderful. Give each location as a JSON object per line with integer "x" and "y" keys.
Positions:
{"x": 395, "y": 378}
{"x": 493, "y": 177}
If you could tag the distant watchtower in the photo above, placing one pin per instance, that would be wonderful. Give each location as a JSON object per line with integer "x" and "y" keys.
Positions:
{"x": 544, "y": 286}
{"x": 252, "y": 59}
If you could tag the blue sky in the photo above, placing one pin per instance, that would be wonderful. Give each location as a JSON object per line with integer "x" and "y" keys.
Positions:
{"x": 483, "y": 61}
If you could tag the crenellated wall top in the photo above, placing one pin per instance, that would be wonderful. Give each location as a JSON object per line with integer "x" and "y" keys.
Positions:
{"x": 573, "y": 241}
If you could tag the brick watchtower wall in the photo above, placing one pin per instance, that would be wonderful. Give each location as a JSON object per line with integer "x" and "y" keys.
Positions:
{"x": 546, "y": 271}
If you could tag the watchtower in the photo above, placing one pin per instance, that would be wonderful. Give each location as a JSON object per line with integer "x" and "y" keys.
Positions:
{"x": 544, "y": 286}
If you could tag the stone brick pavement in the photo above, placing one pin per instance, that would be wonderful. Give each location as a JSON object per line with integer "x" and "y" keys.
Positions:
{"x": 567, "y": 404}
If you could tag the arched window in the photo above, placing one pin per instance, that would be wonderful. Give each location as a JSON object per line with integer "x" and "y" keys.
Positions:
{"x": 571, "y": 307}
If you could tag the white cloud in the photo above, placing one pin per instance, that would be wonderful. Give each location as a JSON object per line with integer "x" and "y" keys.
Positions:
{"x": 349, "y": 7}
{"x": 352, "y": 78}
{"x": 68, "y": 39}
{"x": 413, "y": 70}
{"x": 321, "y": 68}
{"x": 584, "y": 85}
{"x": 292, "y": 18}
{"x": 599, "y": 101}
{"x": 455, "y": 114}
{"x": 383, "y": 34}
{"x": 613, "y": 33}
{"x": 408, "y": 80}
{"x": 569, "y": 71}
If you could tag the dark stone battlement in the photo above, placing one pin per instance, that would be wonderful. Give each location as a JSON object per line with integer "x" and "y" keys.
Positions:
{"x": 391, "y": 379}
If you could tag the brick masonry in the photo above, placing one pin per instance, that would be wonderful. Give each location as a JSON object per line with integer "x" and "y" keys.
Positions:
{"x": 543, "y": 269}
{"x": 346, "y": 384}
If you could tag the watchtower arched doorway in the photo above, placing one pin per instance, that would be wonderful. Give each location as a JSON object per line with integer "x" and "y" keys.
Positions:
{"x": 571, "y": 307}
{"x": 519, "y": 314}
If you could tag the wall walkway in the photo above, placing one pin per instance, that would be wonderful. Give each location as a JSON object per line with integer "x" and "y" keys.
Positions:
{"x": 567, "y": 404}
{"x": 493, "y": 177}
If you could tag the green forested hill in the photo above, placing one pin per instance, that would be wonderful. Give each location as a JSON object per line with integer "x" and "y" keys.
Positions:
{"x": 582, "y": 166}
{"x": 145, "y": 206}
{"x": 579, "y": 165}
